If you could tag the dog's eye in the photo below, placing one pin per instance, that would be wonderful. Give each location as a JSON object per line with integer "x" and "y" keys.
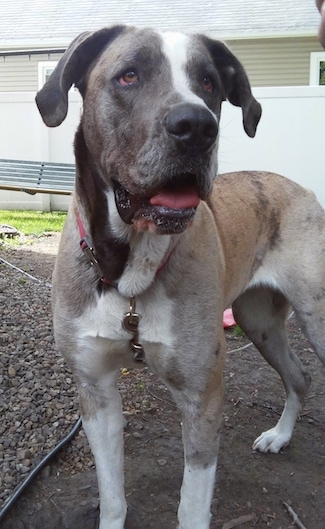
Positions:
{"x": 129, "y": 77}
{"x": 207, "y": 84}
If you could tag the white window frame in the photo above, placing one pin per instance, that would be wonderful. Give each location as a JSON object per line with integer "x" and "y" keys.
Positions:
{"x": 316, "y": 57}
{"x": 43, "y": 66}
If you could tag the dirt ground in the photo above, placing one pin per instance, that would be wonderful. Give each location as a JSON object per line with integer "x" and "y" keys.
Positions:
{"x": 250, "y": 487}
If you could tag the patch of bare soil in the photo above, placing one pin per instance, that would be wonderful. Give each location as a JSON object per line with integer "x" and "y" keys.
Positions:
{"x": 250, "y": 486}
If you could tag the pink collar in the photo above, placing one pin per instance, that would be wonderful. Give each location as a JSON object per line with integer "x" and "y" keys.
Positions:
{"x": 88, "y": 250}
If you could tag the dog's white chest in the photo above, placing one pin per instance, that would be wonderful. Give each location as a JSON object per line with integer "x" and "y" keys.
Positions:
{"x": 104, "y": 318}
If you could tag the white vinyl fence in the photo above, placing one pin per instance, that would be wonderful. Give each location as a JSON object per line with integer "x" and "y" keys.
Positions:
{"x": 23, "y": 136}
{"x": 290, "y": 139}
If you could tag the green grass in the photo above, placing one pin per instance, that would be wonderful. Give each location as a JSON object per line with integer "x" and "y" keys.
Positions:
{"x": 238, "y": 331}
{"x": 33, "y": 222}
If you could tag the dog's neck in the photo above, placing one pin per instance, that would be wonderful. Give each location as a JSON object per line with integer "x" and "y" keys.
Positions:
{"x": 111, "y": 252}
{"x": 128, "y": 259}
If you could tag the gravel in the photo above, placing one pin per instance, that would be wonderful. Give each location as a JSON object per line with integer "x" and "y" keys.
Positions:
{"x": 38, "y": 397}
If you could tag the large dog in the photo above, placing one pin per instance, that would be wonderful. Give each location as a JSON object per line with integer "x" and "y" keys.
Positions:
{"x": 154, "y": 247}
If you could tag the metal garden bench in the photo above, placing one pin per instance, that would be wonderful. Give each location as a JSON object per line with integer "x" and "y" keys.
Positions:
{"x": 37, "y": 177}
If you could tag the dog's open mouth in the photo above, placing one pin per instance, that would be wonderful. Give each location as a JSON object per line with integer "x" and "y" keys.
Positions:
{"x": 169, "y": 210}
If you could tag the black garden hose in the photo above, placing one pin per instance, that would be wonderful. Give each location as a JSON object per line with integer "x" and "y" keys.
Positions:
{"x": 20, "y": 489}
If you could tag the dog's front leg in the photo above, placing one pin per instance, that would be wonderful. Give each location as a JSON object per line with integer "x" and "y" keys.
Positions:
{"x": 201, "y": 421}
{"x": 103, "y": 423}
{"x": 196, "y": 495}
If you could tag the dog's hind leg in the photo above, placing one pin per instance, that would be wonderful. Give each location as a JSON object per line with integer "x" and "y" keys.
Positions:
{"x": 262, "y": 313}
{"x": 310, "y": 312}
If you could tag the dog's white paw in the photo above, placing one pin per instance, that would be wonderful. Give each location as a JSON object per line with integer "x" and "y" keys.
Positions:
{"x": 272, "y": 441}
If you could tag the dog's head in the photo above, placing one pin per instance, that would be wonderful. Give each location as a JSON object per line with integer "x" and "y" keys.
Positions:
{"x": 152, "y": 104}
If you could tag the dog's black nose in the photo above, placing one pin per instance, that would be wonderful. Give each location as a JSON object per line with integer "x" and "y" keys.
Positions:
{"x": 192, "y": 127}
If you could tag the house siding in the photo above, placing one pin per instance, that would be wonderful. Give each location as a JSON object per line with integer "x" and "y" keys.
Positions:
{"x": 276, "y": 62}
{"x": 19, "y": 73}
{"x": 268, "y": 62}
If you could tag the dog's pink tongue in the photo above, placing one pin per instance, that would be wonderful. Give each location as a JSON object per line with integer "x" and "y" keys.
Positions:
{"x": 176, "y": 199}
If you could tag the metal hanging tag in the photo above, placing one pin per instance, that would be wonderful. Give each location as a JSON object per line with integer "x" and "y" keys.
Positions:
{"x": 131, "y": 324}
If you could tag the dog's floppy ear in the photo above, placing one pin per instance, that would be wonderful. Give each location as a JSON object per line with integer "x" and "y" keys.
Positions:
{"x": 52, "y": 99}
{"x": 236, "y": 84}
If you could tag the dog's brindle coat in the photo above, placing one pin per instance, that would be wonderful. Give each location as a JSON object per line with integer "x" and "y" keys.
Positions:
{"x": 183, "y": 247}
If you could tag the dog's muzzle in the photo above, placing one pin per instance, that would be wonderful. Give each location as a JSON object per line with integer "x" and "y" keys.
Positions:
{"x": 168, "y": 211}
{"x": 193, "y": 130}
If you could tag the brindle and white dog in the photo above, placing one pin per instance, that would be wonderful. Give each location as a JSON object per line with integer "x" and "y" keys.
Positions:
{"x": 154, "y": 248}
